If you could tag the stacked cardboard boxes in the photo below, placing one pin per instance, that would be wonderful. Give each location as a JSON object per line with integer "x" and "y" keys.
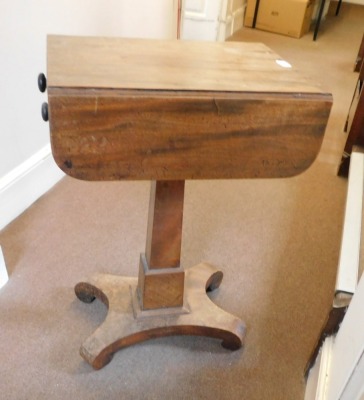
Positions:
{"x": 288, "y": 17}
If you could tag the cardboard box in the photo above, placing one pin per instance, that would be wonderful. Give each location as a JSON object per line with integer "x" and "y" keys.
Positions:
{"x": 287, "y": 17}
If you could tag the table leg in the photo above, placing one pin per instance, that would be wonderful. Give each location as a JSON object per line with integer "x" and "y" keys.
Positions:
{"x": 161, "y": 277}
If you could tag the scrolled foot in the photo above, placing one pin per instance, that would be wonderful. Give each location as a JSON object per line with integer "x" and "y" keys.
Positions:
{"x": 85, "y": 292}
{"x": 99, "y": 361}
{"x": 214, "y": 281}
{"x": 232, "y": 344}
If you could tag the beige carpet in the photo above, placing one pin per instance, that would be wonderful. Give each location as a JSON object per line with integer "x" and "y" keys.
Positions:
{"x": 277, "y": 242}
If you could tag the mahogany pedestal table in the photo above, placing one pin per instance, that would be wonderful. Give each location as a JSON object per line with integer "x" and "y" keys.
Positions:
{"x": 168, "y": 111}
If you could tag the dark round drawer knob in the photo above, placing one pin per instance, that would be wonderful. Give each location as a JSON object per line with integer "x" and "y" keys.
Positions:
{"x": 45, "y": 111}
{"x": 42, "y": 82}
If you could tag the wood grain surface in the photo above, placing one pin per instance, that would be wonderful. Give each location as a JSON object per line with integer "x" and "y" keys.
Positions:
{"x": 118, "y": 63}
{"x": 164, "y": 232}
{"x": 101, "y": 134}
{"x": 174, "y": 110}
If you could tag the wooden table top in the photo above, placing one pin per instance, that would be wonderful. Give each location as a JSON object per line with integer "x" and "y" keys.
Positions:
{"x": 174, "y": 110}
{"x": 94, "y": 62}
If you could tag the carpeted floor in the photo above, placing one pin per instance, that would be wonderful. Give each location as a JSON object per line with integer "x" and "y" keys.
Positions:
{"x": 277, "y": 242}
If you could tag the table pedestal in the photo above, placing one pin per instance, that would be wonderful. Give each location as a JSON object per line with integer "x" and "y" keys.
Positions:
{"x": 164, "y": 300}
{"x": 126, "y": 323}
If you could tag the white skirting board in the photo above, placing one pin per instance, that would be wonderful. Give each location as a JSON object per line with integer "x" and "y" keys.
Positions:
{"x": 4, "y": 277}
{"x": 347, "y": 275}
{"x": 316, "y": 387}
{"x": 339, "y": 370}
{"x": 22, "y": 186}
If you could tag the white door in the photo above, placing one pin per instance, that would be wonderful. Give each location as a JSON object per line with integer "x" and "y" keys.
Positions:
{"x": 213, "y": 20}
{"x": 200, "y": 19}
{"x": 233, "y": 10}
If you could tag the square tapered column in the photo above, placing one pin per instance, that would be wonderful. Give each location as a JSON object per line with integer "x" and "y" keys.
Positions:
{"x": 161, "y": 277}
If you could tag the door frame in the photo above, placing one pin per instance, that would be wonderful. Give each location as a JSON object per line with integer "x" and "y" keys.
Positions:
{"x": 339, "y": 370}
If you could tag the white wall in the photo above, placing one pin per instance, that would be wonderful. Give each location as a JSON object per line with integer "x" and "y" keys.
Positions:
{"x": 23, "y": 28}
